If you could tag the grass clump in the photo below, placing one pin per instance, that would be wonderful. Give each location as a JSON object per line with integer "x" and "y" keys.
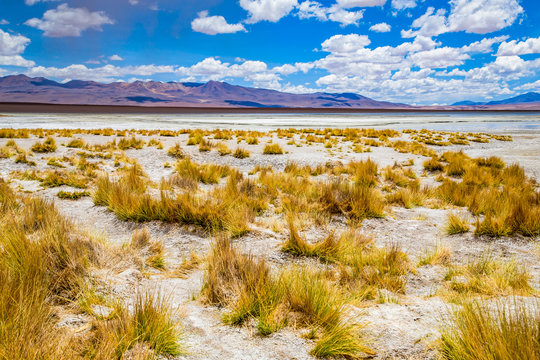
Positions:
{"x": 205, "y": 173}
{"x": 272, "y": 149}
{"x": 476, "y": 331}
{"x": 240, "y": 153}
{"x": 433, "y": 165}
{"x": 130, "y": 143}
{"x": 228, "y": 208}
{"x": 509, "y": 201}
{"x": 363, "y": 268}
{"x": 456, "y": 224}
{"x": 223, "y": 149}
{"x": 490, "y": 277}
{"x": 246, "y": 286}
{"x": 74, "y": 195}
{"x": 148, "y": 332}
{"x": 295, "y": 245}
{"x": 49, "y": 145}
{"x": 437, "y": 255}
{"x": 76, "y": 143}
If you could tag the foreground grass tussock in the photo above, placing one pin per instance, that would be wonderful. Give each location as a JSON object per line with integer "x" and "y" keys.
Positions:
{"x": 508, "y": 330}
{"x": 363, "y": 268}
{"x": 246, "y": 286}
{"x": 45, "y": 265}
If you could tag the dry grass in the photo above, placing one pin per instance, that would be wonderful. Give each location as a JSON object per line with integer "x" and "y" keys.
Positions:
{"x": 435, "y": 255}
{"x": 148, "y": 332}
{"x": 247, "y": 288}
{"x": 508, "y": 330}
{"x": 508, "y": 199}
{"x": 490, "y": 277}
{"x": 240, "y": 153}
{"x": 228, "y": 208}
{"x": 49, "y": 145}
{"x": 130, "y": 143}
{"x": 272, "y": 149}
{"x": 74, "y": 195}
{"x": 205, "y": 173}
{"x": 223, "y": 149}
{"x": 176, "y": 151}
{"x": 456, "y": 224}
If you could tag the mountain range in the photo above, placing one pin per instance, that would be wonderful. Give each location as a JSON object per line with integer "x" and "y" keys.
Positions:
{"x": 213, "y": 94}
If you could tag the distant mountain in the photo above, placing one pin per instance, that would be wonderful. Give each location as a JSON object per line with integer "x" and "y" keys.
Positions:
{"x": 530, "y": 97}
{"x": 21, "y": 88}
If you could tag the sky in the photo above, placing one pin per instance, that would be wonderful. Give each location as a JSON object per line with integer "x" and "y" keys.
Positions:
{"x": 412, "y": 51}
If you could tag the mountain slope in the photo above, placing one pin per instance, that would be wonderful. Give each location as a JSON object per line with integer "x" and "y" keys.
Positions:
{"x": 21, "y": 88}
{"x": 520, "y": 99}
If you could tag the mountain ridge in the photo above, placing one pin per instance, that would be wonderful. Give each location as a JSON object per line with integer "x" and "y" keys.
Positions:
{"x": 212, "y": 94}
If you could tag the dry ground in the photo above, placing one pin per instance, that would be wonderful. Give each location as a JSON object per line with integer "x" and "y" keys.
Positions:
{"x": 400, "y": 326}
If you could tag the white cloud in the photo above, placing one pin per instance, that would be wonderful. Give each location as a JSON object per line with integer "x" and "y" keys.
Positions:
{"x": 66, "y": 21}
{"x": 336, "y": 12}
{"x": 403, "y": 4}
{"x": 312, "y": 9}
{"x": 11, "y": 46}
{"x": 484, "y": 45}
{"x": 116, "y": 57}
{"x": 439, "y": 58}
{"x": 345, "y": 17}
{"x": 104, "y": 73}
{"x": 267, "y": 10}
{"x": 430, "y": 24}
{"x": 15, "y": 60}
{"x": 212, "y": 25}
{"x": 133, "y": 2}
{"x": 341, "y": 44}
{"x": 533, "y": 86}
{"x": 381, "y": 27}
{"x": 32, "y": 2}
{"x": 347, "y": 4}
{"x": 472, "y": 16}
{"x": 4, "y": 22}
{"x": 482, "y": 16}
{"x": 529, "y": 46}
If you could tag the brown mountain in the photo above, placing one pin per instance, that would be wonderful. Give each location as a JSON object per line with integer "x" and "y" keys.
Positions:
{"x": 21, "y": 88}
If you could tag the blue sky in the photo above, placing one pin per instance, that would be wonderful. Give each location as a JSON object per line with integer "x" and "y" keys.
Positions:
{"x": 412, "y": 51}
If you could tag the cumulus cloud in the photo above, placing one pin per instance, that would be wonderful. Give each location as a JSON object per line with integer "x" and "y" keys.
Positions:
{"x": 336, "y": 12}
{"x": 347, "y": 4}
{"x": 482, "y": 16}
{"x": 267, "y": 10}
{"x": 66, "y": 21}
{"x": 32, "y": 2}
{"x": 381, "y": 27}
{"x": 342, "y": 44}
{"x": 15, "y": 60}
{"x": 472, "y": 16}
{"x": 11, "y": 46}
{"x": 116, "y": 57}
{"x": 256, "y": 72}
{"x": 104, "y": 73}
{"x": 529, "y": 46}
{"x": 403, "y": 4}
{"x": 212, "y": 25}
{"x": 421, "y": 69}
{"x": 4, "y": 22}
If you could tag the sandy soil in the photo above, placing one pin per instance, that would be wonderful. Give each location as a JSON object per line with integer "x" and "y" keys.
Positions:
{"x": 407, "y": 329}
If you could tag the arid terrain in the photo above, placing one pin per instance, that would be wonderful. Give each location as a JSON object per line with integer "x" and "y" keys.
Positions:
{"x": 291, "y": 244}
